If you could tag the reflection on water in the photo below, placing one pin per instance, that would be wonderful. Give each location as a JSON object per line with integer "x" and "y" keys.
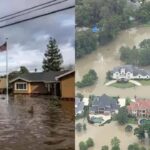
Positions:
{"x": 107, "y": 57}
{"x": 50, "y": 127}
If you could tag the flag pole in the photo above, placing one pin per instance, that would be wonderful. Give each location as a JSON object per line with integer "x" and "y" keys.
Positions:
{"x": 7, "y": 97}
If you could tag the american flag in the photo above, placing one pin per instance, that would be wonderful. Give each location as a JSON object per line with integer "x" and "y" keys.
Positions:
{"x": 3, "y": 47}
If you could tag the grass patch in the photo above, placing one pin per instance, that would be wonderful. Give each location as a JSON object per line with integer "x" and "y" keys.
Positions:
{"x": 144, "y": 82}
{"x": 147, "y": 24}
{"x": 123, "y": 85}
{"x": 132, "y": 121}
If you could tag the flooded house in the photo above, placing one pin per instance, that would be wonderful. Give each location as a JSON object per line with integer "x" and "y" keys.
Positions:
{"x": 2, "y": 85}
{"x": 140, "y": 108}
{"x": 38, "y": 83}
{"x": 67, "y": 85}
{"x": 127, "y": 72}
{"x": 104, "y": 104}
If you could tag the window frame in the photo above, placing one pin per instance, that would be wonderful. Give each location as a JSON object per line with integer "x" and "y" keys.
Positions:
{"x": 21, "y": 83}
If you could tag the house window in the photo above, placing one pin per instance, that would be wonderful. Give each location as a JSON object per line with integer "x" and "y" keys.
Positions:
{"x": 117, "y": 74}
{"x": 21, "y": 86}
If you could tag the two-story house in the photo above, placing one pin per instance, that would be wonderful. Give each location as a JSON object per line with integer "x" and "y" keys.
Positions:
{"x": 127, "y": 72}
{"x": 140, "y": 108}
{"x": 104, "y": 105}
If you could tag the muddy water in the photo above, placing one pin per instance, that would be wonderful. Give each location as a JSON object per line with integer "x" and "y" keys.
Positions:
{"x": 102, "y": 135}
{"x": 107, "y": 57}
{"x": 51, "y": 127}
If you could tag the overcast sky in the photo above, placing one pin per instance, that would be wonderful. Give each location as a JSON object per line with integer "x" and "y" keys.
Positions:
{"x": 27, "y": 41}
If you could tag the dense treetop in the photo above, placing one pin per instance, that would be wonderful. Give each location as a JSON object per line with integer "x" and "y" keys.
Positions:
{"x": 110, "y": 17}
{"x": 136, "y": 56}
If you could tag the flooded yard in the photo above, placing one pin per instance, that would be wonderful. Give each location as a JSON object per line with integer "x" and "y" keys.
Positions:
{"x": 107, "y": 57}
{"x": 102, "y": 135}
{"x": 50, "y": 127}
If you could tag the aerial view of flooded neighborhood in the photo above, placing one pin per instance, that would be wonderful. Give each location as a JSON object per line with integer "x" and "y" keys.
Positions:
{"x": 112, "y": 104}
{"x": 37, "y": 74}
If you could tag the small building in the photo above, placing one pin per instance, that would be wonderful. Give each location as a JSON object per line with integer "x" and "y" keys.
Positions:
{"x": 67, "y": 85}
{"x": 86, "y": 101}
{"x": 127, "y": 72}
{"x": 95, "y": 29}
{"x": 37, "y": 83}
{"x": 140, "y": 108}
{"x": 104, "y": 105}
{"x": 2, "y": 85}
{"x": 79, "y": 106}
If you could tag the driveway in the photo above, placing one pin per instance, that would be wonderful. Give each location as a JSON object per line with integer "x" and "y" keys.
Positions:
{"x": 135, "y": 82}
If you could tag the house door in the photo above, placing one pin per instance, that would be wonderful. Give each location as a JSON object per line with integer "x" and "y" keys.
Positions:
{"x": 55, "y": 89}
{"x": 58, "y": 93}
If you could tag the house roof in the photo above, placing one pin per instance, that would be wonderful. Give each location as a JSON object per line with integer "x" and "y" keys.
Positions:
{"x": 65, "y": 74}
{"x": 139, "y": 105}
{"x": 40, "y": 76}
{"x": 2, "y": 83}
{"x": 104, "y": 101}
{"x": 133, "y": 69}
{"x": 79, "y": 105}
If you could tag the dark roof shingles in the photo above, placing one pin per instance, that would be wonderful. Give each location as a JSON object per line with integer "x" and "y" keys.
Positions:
{"x": 42, "y": 76}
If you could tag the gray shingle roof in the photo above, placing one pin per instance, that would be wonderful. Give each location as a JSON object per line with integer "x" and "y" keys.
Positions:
{"x": 133, "y": 69}
{"x": 105, "y": 102}
{"x": 41, "y": 76}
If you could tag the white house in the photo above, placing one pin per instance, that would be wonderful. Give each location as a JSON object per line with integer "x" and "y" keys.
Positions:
{"x": 128, "y": 72}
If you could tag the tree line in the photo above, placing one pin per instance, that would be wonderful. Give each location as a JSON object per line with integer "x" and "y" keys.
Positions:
{"x": 110, "y": 17}
{"x": 115, "y": 145}
{"x": 139, "y": 56}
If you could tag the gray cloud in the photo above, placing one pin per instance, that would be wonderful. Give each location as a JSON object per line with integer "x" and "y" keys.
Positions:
{"x": 27, "y": 41}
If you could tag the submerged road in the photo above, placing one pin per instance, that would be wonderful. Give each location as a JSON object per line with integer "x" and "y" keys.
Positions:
{"x": 50, "y": 127}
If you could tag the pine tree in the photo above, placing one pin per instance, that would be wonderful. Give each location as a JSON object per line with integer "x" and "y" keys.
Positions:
{"x": 53, "y": 58}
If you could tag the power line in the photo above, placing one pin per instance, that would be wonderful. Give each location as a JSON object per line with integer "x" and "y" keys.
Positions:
{"x": 27, "y": 9}
{"x": 38, "y": 16}
{"x": 31, "y": 10}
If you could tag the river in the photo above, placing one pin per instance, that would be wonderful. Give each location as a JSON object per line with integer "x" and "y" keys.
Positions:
{"x": 50, "y": 127}
{"x": 107, "y": 57}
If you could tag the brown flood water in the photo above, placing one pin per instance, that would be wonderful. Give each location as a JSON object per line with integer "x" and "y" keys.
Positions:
{"x": 51, "y": 127}
{"x": 107, "y": 57}
{"x": 102, "y": 135}
{"x": 102, "y": 60}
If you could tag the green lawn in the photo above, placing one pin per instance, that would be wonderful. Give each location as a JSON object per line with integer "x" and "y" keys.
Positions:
{"x": 147, "y": 24}
{"x": 132, "y": 121}
{"x": 144, "y": 82}
{"x": 123, "y": 85}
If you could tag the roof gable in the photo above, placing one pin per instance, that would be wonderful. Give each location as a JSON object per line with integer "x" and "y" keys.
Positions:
{"x": 65, "y": 74}
{"x": 132, "y": 69}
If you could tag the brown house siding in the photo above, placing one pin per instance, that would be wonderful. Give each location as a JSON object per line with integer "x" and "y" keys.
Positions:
{"x": 67, "y": 86}
{"x": 20, "y": 91}
{"x": 32, "y": 88}
{"x": 38, "y": 88}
